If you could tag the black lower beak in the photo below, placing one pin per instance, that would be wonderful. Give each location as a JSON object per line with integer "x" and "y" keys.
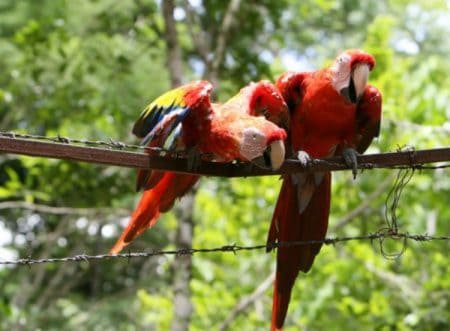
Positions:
{"x": 350, "y": 92}
{"x": 263, "y": 161}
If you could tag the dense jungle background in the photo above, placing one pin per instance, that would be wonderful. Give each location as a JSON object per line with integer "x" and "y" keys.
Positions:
{"x": 85, "y": 69}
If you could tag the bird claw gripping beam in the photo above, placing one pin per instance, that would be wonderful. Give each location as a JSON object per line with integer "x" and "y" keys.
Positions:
{"x": 350, "y": 156}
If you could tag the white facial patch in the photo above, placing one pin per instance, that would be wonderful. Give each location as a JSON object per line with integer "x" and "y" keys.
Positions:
{"x": 341, "y": 72}
{"x": 253, "y": 144}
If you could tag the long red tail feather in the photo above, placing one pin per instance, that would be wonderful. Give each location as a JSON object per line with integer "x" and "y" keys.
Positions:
{"x": 160, "y": 198}
{"x": 289, "y": 225}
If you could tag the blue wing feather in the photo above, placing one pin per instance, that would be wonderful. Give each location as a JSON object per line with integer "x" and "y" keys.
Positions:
{"x": 174, "y": 141}
{"x": 158, "y": 119}
{"x": 167, "y": 121}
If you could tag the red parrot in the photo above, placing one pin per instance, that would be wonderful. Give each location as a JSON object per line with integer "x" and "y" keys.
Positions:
{"x": 185, "y": 119}
{"x": 333, "y": 112}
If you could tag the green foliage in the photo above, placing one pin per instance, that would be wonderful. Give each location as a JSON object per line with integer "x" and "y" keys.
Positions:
{"x": 86, "y": 68}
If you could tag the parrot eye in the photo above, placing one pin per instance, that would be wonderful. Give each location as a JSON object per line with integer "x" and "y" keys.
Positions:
{"x": 341, "y": 72}
{"x": 343, "y": 59}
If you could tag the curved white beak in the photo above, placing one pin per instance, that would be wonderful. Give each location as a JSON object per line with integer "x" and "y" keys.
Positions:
{"x": 360, "y": 76}
{"x": 277, "y": 152}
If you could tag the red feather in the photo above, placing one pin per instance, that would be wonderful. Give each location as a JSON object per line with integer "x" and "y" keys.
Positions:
{"x": 154, "y": 201}
{"x": 226, "y": 132}
{"x": 324, "y": 121}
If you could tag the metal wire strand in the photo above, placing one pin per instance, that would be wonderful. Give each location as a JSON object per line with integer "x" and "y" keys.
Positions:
{"x": 233, "y": 248}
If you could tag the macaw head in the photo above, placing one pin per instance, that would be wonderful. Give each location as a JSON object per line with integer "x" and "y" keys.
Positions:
{"x": 290, "y": 85}
{"x": 263, "y": 144}
{"x": 266, "y": 100}
{"x": 350, "y": 72}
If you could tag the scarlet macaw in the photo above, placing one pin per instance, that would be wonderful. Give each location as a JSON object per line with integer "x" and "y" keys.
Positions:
{"x": 333, "y": 111}
{"x": 186, "y": 119}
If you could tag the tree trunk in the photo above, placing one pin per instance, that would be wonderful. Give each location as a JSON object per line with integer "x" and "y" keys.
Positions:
{"x": 182, "y": 269}
{"x": 174, "y": 62}
{"x": 184, "y": 210}
{"x": 183, "y": 264}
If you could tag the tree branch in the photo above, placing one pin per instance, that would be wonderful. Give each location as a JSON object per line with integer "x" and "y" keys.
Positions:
{"x": 62, "y": 210}
{"x": 173, "y": 48}
{"x": 406, "y": 286}
{"x": 245, "y": 302}
{"x": 33, "y": 282}
{"x": 227, "y": 23}
{"x": 361, "y": 208}
{"x": 58, "y": 285}
{"x": 198, "y": 37}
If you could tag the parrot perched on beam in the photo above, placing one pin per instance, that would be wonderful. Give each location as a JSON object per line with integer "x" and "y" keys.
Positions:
{"x": 333, "y": 112}
{"x": 184, "y": 119}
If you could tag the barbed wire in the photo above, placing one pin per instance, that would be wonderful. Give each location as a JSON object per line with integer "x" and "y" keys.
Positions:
{"x": 380, "y": 236}
{"x": 113, "y": 144}
{"x": 393, "y": 198}
{"x": 118, "y": 154}
{"x": 407, "y": 161}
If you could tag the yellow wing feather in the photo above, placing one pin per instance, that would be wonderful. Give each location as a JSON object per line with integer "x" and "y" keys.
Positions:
{"x": 173, "y": 97}
{"x": 180, "y": 100}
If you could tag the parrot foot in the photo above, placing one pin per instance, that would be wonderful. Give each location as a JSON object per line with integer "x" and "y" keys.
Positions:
{"x": 350, "y": 156}
{"x": 193, "y": 159}
{"x": 304, "y": 158}
{"x": 249, "y": 167}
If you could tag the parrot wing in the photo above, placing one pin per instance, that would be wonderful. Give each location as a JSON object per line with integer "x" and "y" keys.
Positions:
{"x": 368, "y": 118}
{"x": 162, "y": 116}
{"x": 160, "y": 122}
